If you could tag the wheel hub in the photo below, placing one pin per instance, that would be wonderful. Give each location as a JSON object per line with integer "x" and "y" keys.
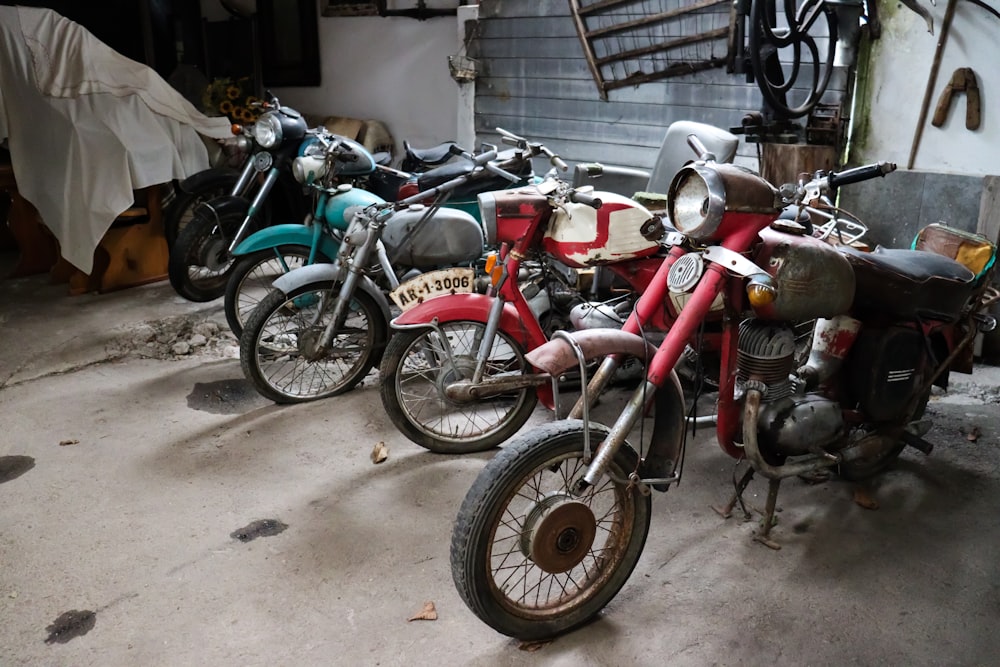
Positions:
{"x": 558, "y": 533}
{"x": 308, "y": 344}
{"x": 214, "y": 254}
{"x": 462, "y": 369}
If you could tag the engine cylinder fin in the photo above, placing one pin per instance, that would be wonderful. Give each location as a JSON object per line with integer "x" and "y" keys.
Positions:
{"x": 766, "y": 353}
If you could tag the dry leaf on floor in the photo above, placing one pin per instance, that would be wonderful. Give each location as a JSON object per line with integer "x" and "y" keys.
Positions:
{"x": 428, "y": 613}
{"x": 973, "y": 434}
{"x": 380, "y": 452}
{"x": 531, "y": 647}
{"x": 68, "y": 441}
{"x": 863, "y": 498}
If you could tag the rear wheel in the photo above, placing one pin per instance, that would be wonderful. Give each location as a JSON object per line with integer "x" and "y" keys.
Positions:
{"x": 532, "y": 559}
{"x": 252, "y": 276}
{"x": 417, "y": 368}
{"x": 876, "y": 462}
{"x": 279, "y": 346}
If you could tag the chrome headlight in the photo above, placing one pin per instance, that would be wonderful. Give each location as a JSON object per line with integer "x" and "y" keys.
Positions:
{"x": 488, "y": 215}
{"x": 267, "y": 130}
{"x": 696, "y": 201}
{"x": 309, "y": 168}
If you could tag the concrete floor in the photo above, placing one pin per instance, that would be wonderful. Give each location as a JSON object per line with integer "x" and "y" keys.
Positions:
{"x": 125, "y": 472}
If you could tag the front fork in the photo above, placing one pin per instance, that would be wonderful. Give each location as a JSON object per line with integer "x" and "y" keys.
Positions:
{"x": 258, "y": 201}
{"x": 659, "y": 367}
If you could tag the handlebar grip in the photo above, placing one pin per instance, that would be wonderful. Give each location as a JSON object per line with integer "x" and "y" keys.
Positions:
{"x": 558, "y": 163}
{"x": 858, "y": 174}
{"x": 586, "y": 199}
{"x": 484, "y": 157}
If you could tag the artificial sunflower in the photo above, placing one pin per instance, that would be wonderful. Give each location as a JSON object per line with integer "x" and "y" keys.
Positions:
{"x": 230, "y": 97}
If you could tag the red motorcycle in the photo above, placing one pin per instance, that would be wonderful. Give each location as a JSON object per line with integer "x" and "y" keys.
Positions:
{"x": 554, "y": 524}
{"x": 454, "y": 378}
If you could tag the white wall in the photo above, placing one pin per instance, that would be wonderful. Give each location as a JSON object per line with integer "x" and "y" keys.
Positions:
{"x": 901, "y": 65}
{"x": 390, "y": 69}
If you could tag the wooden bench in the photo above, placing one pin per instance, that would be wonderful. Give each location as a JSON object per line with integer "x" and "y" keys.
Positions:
{"x": 132, "y": 252}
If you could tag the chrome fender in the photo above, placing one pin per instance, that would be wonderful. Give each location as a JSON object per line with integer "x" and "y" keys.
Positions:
{"x": 666, "y": 446}
{"x": 289, "y": 234}
{"x": 318, "y": 274}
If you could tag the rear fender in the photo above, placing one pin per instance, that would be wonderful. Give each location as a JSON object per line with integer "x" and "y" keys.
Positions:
{"x": 290, "y": 234}
{"x": 476, "y": 307}
{"x": 326, "y": 273}
{"x": 667, "y": 439}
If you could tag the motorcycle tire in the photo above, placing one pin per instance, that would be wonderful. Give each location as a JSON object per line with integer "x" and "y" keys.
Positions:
{"x": 525, "y": 551}
{"x": 179, "y": 211}
{"x": 274, "y": 347}
{"x": 415, "y": 370}
{"x": 863, "y": 468}
{"x": 251, "y": 278}
{"x": 199, "y": 262}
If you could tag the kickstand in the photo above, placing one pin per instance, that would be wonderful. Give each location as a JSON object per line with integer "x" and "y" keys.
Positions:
{"x": 727, "y": 510}
{"x": 772, "y": 499}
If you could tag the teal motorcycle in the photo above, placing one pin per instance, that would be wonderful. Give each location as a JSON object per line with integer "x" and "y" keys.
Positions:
{"x": 324, "y": 165}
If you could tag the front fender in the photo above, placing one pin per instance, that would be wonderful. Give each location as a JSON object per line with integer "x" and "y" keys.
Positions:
{"x": 474, "y": 307}
{"x": 666, "y": 441}
{"x": 289, "y": 234}
{"x": 312, "y": 274}
{"x": 209, "y": 179}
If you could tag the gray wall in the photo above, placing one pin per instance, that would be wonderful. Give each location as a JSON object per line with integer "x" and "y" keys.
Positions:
{"x": 536, "y": 83}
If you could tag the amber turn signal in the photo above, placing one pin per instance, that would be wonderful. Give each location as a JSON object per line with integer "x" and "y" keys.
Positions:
{"x": 761, "y": 291}
{"x": 236, "y": 129}
{"x": 493, "y": 268}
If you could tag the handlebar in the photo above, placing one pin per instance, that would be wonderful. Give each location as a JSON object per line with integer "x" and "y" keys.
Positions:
{"x": 532, "y": 148}
{"x": 858, "y": 174}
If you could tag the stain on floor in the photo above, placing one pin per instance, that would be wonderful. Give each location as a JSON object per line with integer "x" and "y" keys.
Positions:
{"x": 225, "y": 397}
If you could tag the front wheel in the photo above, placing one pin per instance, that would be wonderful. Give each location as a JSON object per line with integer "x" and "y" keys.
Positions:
{"x": 252, "y": 276}
{"x": 280, "y": 348}
{"x": 532, "y": 559}
{"x": 419, "y": 364}
{"x": 199, "y": 261}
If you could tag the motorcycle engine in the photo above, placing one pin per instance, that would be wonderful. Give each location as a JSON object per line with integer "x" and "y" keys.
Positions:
{"x": 788, "y": 424}
{"x": 766, "y": 353}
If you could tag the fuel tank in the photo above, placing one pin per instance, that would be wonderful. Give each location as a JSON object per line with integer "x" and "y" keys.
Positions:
{"x": 342, "y": 205}
{"x": 580, "y": 236}
{"x": 811, "y": 278}
{"x": 448, "y": 237}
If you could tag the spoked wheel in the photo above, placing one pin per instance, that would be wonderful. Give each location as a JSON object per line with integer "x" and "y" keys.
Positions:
{"x": 791, "y": 52}
{"x": 199, "y": 261}
{"x": 180, "y": 210}
{"x": 279, "y": 348}
{"x": 530, "y": 558}
{"x": 418, "y": 367}
{"x": 252, "y": 276}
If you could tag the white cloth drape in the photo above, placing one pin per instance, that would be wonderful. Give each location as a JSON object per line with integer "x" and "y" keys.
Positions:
{"x": 86, "y": 126}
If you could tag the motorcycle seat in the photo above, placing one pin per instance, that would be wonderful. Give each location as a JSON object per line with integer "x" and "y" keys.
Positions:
{"x": 912, "y": 284}
{"x": 434, "y": 155}
{"x": 443, "y": 174}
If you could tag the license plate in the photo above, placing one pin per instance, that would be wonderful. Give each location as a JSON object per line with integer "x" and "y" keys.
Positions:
{"x": 429, "y": 285}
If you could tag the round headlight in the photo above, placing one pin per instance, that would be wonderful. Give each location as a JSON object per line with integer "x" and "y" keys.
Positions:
{"x": 267, "y": 130}
{"x": 308, "y": 168}
{"x": 696, "y": 201}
